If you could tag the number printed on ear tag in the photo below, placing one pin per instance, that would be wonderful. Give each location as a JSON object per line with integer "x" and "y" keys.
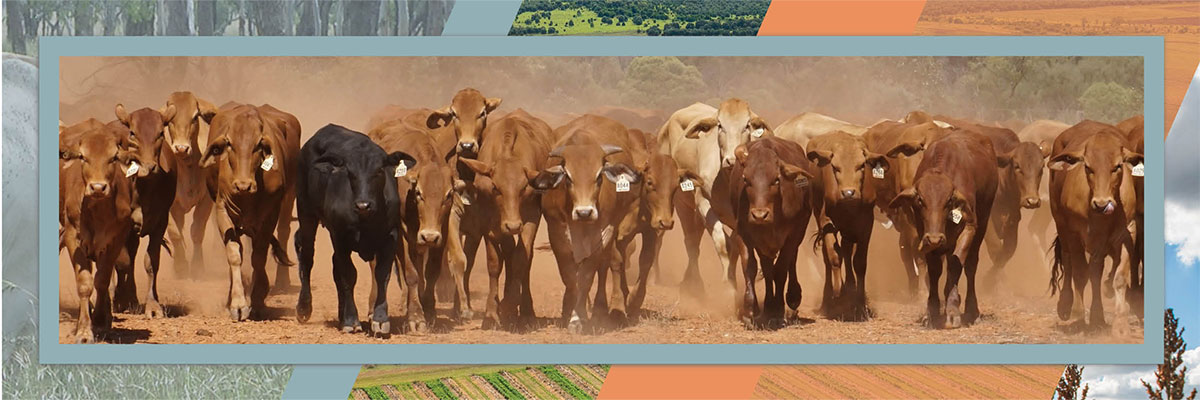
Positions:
{"x": 956, "y": 215}
{"x": 877, "y": 172}
{"x": 133, "y": 169}
{"x": 687, "y": 185}
{"x": 757, "y": 133}
{"x": 401, "y": 170}
{"x": 268, "y": 163}
{"x": 1139, "y": 170}
{"x": 622, "y": 184}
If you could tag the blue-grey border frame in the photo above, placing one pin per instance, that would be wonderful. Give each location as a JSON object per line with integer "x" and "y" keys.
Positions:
{"x": 1148, "y": 352}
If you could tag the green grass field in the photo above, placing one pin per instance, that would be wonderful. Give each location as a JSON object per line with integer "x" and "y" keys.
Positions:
{"x": 459, "y": 381}
{"x": 559, "y": 18}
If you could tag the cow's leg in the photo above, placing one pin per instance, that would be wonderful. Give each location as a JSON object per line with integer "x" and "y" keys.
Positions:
{"x": 348, "y": 311}
{"x": 849, "y": 293}
{"x": 560, "y": 245}
{"x": 455, "y": 260}
{"x": 618, "y": 291}
{"x": 653, "y": 256}
{"x": 432, "y": 259}
{"x": 199, "y": 226}
{"x": 862, "y": 312}
{"x": 153, "y": 309}
{"x": 587, "y": 275}
{"x": 102, "y": 311}
{"x": 413, "y": 287}
{"x": 260, "y": 248}
{"x": 692, "y": 224}
{"x": 721, "y": 240}
{"x": 381, "y": 271}
{"x": 239, "y": 305}
{"x": 1120, "y": 251}
{"x": 1080, "y": 271}
{"x": 966, "y": 251}
{"x": 833, "y": 271}
{"x": 304, "y": 242}
{"x": 84, "y": 285}
{"x": 491, "y": 316}
{"x": 933, "y": 306}
{"x": 179, "y": 248}
{"x": 908, "y": 260}
{"x": 787, "y": 262}
{"x": 954, "y": 269}
{"x": 749, "y": 311}
{"x": 283, "y": 231}
{"x": 1039, "y": 228}
{"x": 651, "y": 243}
{"x": 525, "y": 263}
{"x": 1099, "y": 246}
{"x": 125, "y": 299}
{"x": 780, "y": 280}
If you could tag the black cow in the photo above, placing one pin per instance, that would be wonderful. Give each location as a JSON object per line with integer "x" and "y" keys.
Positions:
{"x": 346, "y": 183}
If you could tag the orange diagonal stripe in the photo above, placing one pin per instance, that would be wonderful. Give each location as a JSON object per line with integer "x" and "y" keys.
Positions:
{"x": 845, "y": 17}
{"x": 679, "y": 382}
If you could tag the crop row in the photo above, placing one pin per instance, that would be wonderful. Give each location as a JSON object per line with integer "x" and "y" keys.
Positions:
{"x": 541, "y": 382}
{"x": 502, "y": 386}
{"x": 440, "y": 390}
{"x": 565, "y": 383}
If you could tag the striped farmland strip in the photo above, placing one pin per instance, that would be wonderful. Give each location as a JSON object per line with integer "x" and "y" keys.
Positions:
{"x": 440, "y": 390}
{"x": 517, "y": 384}
{"x": 911, "y": 382}
{"x": 601, "y": 370}
{"x": 546, "y": 382}
{"x": 583, "y": 373}
{"x": 794, "y": 380}
{"x": 540, "y": 389}
{"x": 570, "y": 387}
{"x": 485, "y": 387}
{"x": 406, "y": 390}
{"x": 503, "y": 386}
{"x": 423, "y": 391}
{"x": 468, "y": 388}
{"x": 359, "y": 394}
{"x": 579, "y": 382}
{"x": 391, "y": 391}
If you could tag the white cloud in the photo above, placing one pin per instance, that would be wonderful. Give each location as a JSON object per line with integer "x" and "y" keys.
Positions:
{"x": 1114, "y": 382}
{"x": 1183, "y": 230}
{"x": 1183, "y": 177}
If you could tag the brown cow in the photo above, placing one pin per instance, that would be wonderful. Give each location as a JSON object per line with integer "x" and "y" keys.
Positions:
{"x": 467, "y": 113}
{"x": 1093, "y": 204}
{"x": 98, "y": 201}
{"x": 156, "y": 188}
{"x": 183, "y": 135}
{"x": 1042, "y": 132}
{"x": 903, "y": 143}
{"x": 846, "y": 171}
{"x": 1134, "y": 129}
{"x": 253, "y": 151}
{"x": 774, "y": 205}
{"x": 950, "y": 202}
{"x": 506, "y": 214}
{"x": 586, "y": 216}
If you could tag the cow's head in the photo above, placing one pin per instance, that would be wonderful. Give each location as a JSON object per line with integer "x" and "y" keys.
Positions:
{"x": 934, "y": 203}
{"x": 146, "y": 127}
{"x": 848, "y": 160}
{"x": 241, "y": 141}
{"x": 432, "y": 187}
{"x": 467, "y": 113}
{"x": 183, "y": 127}
{"x": 906, "y": 156}
{"x": 105, "y": 159}
{"x": 369, "y": 174}
{"x": 507, "y": 183}
{"x": 735, "y": 125}
{"x": 583, "y": 169}
{"x": 765, "y": 178}
{"x": 661, "y": 178}
{"x": 1024, "y": 164}
{"x": 1105, "y": 160}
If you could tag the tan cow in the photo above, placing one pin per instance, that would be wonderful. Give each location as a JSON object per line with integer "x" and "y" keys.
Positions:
{"x": 806, "y": 126}
{"x": 97, "y": 196}
{"x": 1043, "y": 132}
{"x": 253, "y": 151}
{"x": 468, "y": 115}
{"x": 183, "y": 135}
{"x": 1134, "y": 128}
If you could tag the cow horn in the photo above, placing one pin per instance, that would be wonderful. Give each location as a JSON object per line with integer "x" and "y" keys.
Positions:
{"x": 610, "y": 149}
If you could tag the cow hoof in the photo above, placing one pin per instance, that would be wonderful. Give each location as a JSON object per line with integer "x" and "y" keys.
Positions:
{"x": 85, "y": 336}
{"x": 466, "y": 315}
{"x": 1064, "y": 307}
{"x": 575, "y": 327}
{"x": 489, "y": 323}
{"x": 154, "y": 310}
{"x": 417, "y": 326}
{"x": 381, "y": 330}
{"x": 303, "y": 313}
{"x": 953, "y": 320}
{"x": 351, "y": 328}
{"x": 240, "y": 313}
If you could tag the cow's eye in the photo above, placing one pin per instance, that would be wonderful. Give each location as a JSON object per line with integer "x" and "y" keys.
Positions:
{"x": 1117, "y": 168}
{"x": 115, "y": 159}
{"x": 418, "y": 194}
{"x": 836, "y": 169}
{"x": 483, "y": 113}
{"x": 1089, "y": 169}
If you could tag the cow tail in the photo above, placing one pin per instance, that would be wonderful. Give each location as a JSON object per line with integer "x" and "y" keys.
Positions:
{"x": 819, "y": 238}
{"x": 1056, "y": 269}
{"x": 279, "y": 252}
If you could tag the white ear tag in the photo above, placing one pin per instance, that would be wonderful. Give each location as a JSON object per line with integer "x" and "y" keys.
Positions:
{"x": 877, "y": 172}
{"x": 687, "y": 185}
{"x": 268, "y": 163}
{"x": 887, "y": 224}
{"x": 757, "y": 133}
{"x": 465, "y": 198}
{"x": 133, "y": 169}
{"x": 956, "y": 215}
{"x": 622, "y": 184}
{"x": 1139, "y": 170}
{"x": 401, "y": 170}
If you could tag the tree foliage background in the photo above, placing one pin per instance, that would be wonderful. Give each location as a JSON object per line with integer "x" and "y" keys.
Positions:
{"x": 25, "y": 20}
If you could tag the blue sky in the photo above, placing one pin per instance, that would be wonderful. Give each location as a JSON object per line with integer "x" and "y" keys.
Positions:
{"x": 1182, "y": 256}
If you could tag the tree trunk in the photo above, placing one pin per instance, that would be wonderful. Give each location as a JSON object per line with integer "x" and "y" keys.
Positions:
{"x": 360, "y": 17}
{"x": 269, "y": 17}
{"x": 324, "y": 7}
{"x": 177, "y": 18}
{"x": 380, "y": 19}
{"x": 109, "y": 14}
{"x": 435, "y": 16}
{"x": 205, "y": 17}
{"x": 16, "y": 25}
{"x": 402, "y": 18}
{"x": 85, "y": 19}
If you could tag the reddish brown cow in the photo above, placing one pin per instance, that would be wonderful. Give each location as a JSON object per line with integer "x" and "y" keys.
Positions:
{"x": 1134, "y": 129}
{"x": 1093, "y": 203}
{"x": 586, "y": 216}
{"x": 950, "y": 202}
{"x": 254, "y": 153}
{"x": 661, "y": 177}
{"x": 156, "y": 188}
{"x": 182, "y": 136}
{"x": 98, "y": 202}
{"x": 845, "y": 167}
{"x": 507, "y": 214}
{"x": 773, "y": 208}
{"x": 468, "y": 115}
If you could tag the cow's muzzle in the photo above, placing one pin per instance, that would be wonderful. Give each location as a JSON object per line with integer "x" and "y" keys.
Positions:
{"x": 728, "y": 161}
{"x": 97, "y": 189}
{"x": 760, "y": 215}
{"x": 182, "y": 149}
{"x": 245, "y": 186}
{"x": 468, "y": 148}
{"x": 1031, "y": 202}
{"x": 932, "y": 241}
{"x": 663, "y": 224}
{"x": 511, "y": 227}
{"x": 1104, "y": 206}
{"x": 363, "y": 207}
{"x": 428, "y": 237}
{"x": 849, "y": 194}
{"x": 584, "y": 213}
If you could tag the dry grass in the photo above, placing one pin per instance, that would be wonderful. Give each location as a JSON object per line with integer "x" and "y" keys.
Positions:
{"x": 908, "y": 381}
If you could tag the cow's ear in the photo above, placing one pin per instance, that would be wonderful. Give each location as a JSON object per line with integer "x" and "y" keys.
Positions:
{"x": 906, "y": 198}
{"x": 61, "y": 127}
{"x": 615, "y": 171}
{"x": 460, "y": 185}
{"x": 549, "y": 178}
{"x": 611, "y": 149}
{"x": 958, "y": 200}
{"x": 490, "y": 104}
{"x": 696, "y": 128}
{"x": 742, "y": 154}
{"x": 128, "y": 156}
{"x": 1133, "y": 158}
{"x": 479, "y": 167}
{"x": 121, "y": 114}
{"x": 876, "y": 160}
{"x": 205, "y": 110}
{"x": 395, "y": 158}
{"x": 1063, "y": 162}
{"x": 794, "y": 173}
{"x": 820, "y": 157}
{"x": 759, "y": 123}
{"x": 439, "y": 118}
{"x": 907, "y": 149}
{"x": 1004, "y": 160}
{"x": 167, "y": 113}
{"x": 1045, "y": 146}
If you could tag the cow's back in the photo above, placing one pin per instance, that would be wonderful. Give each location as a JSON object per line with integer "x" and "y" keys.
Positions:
{"x": 1042, "y": 130}
{"x": 804, "y": 127}
{"x": 967, "y": 157}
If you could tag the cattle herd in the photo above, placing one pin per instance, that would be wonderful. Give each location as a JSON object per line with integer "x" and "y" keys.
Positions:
{"x": 418, "y": 193}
